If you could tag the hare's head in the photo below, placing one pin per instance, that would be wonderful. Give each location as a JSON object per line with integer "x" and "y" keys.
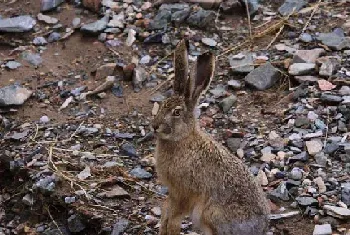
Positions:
{"x": 175, "y": 118}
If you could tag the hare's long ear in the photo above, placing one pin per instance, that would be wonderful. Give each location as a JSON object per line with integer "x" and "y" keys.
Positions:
{"x": 200, "y": 78}
{"x": 181, "y": 67}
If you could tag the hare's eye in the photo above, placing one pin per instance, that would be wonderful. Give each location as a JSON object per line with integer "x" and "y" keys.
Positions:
{"x": 176, "y": 112}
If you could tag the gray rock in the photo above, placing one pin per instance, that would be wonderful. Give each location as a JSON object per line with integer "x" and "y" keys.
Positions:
{"x": 95, "y": 27}
{"x": 227, "y": 103}
{"x": 161, "y": 20}
{"x": 179, "y": 17}
{"x": 202, "y": 19}
{"x": 117, "y": 21}
{"x": 76, "y": 22}
{"x": 314, "y": 146}
{"x": 334, "y": 41}
{"x": 140, "y": 173}
{"x": 338, "y": 212}
{"x": 307, "y": 56}
{"x": 301, "y": 68}
{"x": 39, "y": 41}
{"x": 13, "y": 64}
{"x": 176, "y": 7}
{"x": 145, "y": 59}
{"x": 54, "y": 37}
{"x": 290, "y": 5}
{"x": 345, "y": 193}
{"x": 321, "y": 159}
{"x": 13, "y": 95}
{"x": 322, "y": 229}
{"x": 296, "y": 173}
{"x": 233, "y": 144}
{"x": 242, "y": 63}
{"x": 306, "y": 201}
{"x": 128, "y": 149}
{"x": 46, "y": 185}
{"x": 48, "y": 5}
{"x": 281, "y": 192}
{"x": 263, "y": 77}
{"x": 18, "y": 24}
{"x": 329, "y": 67}
{"x": 139, "y": 76}
{"x": 305, "y": 37}
{"x": 28, "y": 200}
{"x": 75, "y": 224}
{"x": 235, "y": 84}
{"x": 253, "y": 6}
{"x": 209, "y": 42}
{"x": 47, "y": 19}
{"x": 120, "y": 226}
{"x": 330, "y": 98}
{"x": 32, "y": 58}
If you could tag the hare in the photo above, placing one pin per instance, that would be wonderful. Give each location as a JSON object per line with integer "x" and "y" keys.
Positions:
{"x": 204, "y": 179}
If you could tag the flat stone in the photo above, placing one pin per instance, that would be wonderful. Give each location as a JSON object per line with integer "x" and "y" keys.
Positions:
{"x": 227, "y": 103}
{"x": 235, "y": 84}
{"x": 95, "y": 27}
{"x": 262, "y": 77}
{"x": 39, "y": 41}
{"x": 303, "y": 79}
{"x": 242, "y": 62}
{"x": 105, "y": 70}
{"x": 48, "y": 5}
{"x": 32, "y": 58}
{"x": 120, "y": 226}
{"x": 13, "y": 64}
{"x": 338, "y": 212}
{"x": 202, "y": 19}
{"x": 180, "y": 17}
{"x": 209, "y": 42}
{"x": 281, "y": 192}
{"x": 345, "y": 193}
{"x": 13, "y": 95}
{"x": 322, "y": 229}
{"x": 301, "y": 68}
{"x": 161, "y": 20}
{"x": 314, "y": 146}
{"x": 75, "y": 224}
{"x": 140, "y": 173}
{"x": 330, "y": 98}
{"x": 305, "y": 37}
{"x": 117, "y": 21}
{"x": 306, "y": 201}
{"x": 289, "y": 5}
{"x": 307, "y": 56}
{"x": 47, "y": 19}
{"x": 115, "y": 192}
{"x": 320, "y": 184}
{"x": 334, "y": 41}
{"x": 18, "y": 24}
{"x": 329, "y": 66}
{"x": 284, "y": 215}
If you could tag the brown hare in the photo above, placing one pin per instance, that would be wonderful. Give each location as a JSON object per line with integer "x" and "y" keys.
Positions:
{"x": 204, "y": 179}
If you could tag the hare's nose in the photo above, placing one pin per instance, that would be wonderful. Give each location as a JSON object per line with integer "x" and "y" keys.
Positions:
{"x": 155, "y": 127}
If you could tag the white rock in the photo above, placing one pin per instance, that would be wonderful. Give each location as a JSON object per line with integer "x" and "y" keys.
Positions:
{"x": 301, "y": 68}
{"x": 321, "y": 186}
{"x": 323, "y": 229}
{"x": 314, "y": 146}
{"x": 338, "y": 212}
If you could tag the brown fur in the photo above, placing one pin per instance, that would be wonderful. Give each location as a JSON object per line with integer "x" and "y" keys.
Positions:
{"x": 204, "y": 179}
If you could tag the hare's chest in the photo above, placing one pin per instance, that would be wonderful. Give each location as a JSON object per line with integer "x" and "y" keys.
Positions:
{"x": 169, "y": 167}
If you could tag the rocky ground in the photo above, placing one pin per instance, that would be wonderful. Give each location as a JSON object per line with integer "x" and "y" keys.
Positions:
{"x": 80, "y": 82}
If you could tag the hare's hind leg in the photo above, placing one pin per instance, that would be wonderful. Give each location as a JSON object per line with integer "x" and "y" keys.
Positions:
{"x": 173, "y": 212}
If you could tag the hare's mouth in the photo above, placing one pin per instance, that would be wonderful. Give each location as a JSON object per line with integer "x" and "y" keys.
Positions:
{"x": 163, "y": 129}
